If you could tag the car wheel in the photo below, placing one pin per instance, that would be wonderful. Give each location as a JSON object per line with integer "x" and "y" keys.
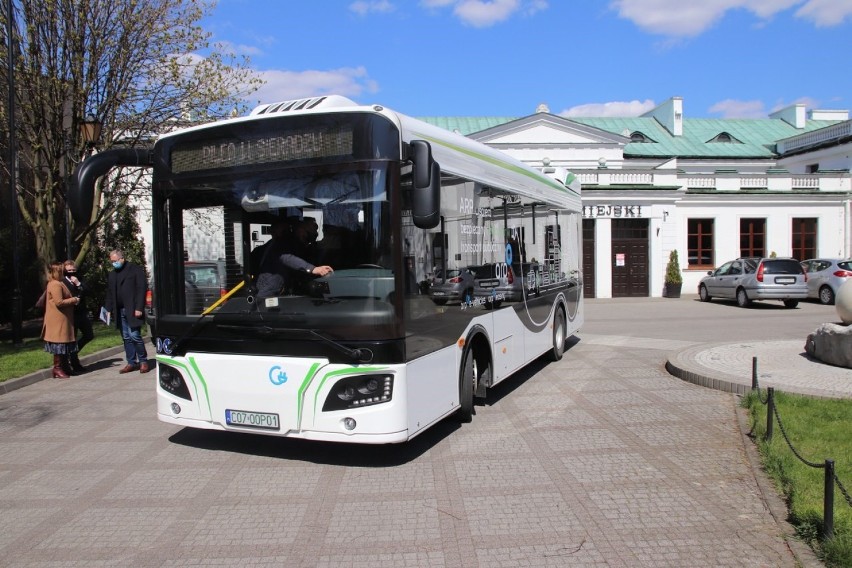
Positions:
{"x": 703, "y": 295}
{"x": 826, "y": 295}
{"x": 791, "y": 303}
{"x": 742, "y": 298}
{"x": 558, "y": 336}
{"x": 467, "y": 386}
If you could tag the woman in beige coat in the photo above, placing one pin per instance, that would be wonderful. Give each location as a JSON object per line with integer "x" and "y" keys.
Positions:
{"x": 58, "y": 329}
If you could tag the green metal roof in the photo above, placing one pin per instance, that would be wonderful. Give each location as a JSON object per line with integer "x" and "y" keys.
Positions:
{"x": 466, "y": 125}
{"x": 754, "y": 138}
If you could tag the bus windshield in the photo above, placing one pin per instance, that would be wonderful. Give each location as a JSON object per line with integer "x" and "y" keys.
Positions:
{"x": 309, "y": 250}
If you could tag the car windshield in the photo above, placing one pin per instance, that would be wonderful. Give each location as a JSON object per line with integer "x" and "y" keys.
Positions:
{"x": 845, "y": 264}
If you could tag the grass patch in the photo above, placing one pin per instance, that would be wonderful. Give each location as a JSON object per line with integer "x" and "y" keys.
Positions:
{"x": 31, "y": 356}
{"x": 818, "y": 429}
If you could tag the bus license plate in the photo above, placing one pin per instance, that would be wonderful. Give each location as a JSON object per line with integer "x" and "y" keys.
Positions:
{"x": 262, "y": 420}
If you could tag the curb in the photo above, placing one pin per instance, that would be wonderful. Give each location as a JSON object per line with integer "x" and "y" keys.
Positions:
{"x": 677, "y": 365}
{"x": 20, "y": 382}
{"x": 685, "y": 364}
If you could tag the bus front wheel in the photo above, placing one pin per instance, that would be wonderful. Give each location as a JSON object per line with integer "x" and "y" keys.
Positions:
{"x": 467, "y": 386}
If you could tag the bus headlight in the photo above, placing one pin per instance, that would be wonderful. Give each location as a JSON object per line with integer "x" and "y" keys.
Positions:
{"x": 172, "y": 381}
{"x": 358, "y": 391}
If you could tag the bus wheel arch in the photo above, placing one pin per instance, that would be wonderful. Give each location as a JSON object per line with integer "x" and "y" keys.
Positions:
{"x": 474, "y": 374}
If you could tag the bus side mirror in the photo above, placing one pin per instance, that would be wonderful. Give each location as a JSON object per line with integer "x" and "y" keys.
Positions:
{"x": 82, "y": 191}
{"x": 426, "y": 194}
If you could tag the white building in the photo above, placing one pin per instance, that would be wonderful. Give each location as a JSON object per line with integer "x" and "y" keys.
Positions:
{"x": 712, "y": 189}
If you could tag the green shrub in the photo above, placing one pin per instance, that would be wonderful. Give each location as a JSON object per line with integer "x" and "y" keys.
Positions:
{"x": 673, "y": 275}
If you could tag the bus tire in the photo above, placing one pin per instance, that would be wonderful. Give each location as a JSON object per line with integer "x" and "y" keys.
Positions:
{"x": 467, "y": 386}
{"x": 558, "y": 336}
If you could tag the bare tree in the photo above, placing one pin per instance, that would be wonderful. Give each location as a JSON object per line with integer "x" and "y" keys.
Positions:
{"x": 139, "y": 66}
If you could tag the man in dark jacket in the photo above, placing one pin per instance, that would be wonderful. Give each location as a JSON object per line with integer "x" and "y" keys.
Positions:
{"x": 125, "y": 301}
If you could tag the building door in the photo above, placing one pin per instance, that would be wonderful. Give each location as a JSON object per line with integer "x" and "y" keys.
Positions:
{"x": 629, "y": 258}
{"x": 588, "y": 258}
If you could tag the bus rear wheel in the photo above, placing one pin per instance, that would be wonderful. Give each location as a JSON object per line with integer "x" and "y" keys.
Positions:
{"x": 558, "y": 336}
{"x": 467, "y": 387}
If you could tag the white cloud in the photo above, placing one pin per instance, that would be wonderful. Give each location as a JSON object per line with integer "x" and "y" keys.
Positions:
{"x": 485, "y": 13}
{"x": 826, "y": 13}
{"x": 731, "y": 108}
{"x": 807, "y": 101}
{"x": 362, "y": 7}
{"x": 676, "y": 18}
{"x": 287, "y": 85}
{"x": 612, "y": 109}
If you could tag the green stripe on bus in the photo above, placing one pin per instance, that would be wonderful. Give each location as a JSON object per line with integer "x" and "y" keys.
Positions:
{"x": 498, "y": 162}
{"x": 302, "y": 388}
{"x": 204, "y": 383}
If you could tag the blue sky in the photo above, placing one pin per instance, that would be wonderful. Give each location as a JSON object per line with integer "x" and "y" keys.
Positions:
{"x": 725, "y": 58}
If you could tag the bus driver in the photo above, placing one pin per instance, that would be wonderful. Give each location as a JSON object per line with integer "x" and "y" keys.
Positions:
{"x": 283, "y": 262}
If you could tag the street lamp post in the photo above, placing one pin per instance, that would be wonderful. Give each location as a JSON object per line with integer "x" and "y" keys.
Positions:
{"x": 90, "y": 133}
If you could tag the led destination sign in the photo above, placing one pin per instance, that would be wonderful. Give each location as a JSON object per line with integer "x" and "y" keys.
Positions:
{"x": 303, "y": 144}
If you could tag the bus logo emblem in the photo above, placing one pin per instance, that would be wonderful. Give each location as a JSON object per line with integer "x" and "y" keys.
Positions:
{"x": 276, "y": 376}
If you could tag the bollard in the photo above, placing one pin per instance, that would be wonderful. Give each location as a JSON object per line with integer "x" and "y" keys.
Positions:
{"x": 828, "y": 501}
{"x": 754, "y": 385}
{"x": 770, "y": 410}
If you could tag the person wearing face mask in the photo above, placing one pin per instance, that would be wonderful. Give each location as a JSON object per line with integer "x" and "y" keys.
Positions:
{"x": 125, "y": 301}
{"x": 58, "y": 329}
{"x": 82, "y": 324}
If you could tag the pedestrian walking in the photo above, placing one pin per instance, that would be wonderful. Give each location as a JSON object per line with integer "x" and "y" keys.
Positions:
{"x": 125, "y": 302}
{"x": 74, "y": 283}
{"x": 58, "y": 328}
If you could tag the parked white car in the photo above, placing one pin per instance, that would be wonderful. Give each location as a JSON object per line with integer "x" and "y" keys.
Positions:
{"x": 826, "y": 276}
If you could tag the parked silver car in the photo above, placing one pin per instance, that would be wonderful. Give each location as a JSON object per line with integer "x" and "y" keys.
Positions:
{"x": 826, "y": 276}
{"x": 748, "y": 279}
{"x": 454, "y": 286}
{"x": 499, "y": 282}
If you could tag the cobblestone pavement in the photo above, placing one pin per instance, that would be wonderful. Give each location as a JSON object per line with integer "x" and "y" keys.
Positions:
{"x": 602, "y": 459}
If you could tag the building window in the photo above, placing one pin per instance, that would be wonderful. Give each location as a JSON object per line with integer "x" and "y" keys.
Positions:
{"x": 804, "y": 238}
{"x": 811, "y": 168}
{"x": 753, "y": 237}
{"x": 699, "y": 243}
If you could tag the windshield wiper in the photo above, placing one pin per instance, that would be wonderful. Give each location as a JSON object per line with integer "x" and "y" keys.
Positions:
{"x": 358, "y": 355}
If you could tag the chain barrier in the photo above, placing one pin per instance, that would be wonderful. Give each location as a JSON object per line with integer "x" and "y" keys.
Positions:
{"x": 755, "y": 385}
{"x": 828, "y": 466}
{"x": 843, "y": 490}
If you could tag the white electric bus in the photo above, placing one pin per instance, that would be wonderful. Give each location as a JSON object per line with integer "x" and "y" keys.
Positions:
{"x": 364, "y": 354}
